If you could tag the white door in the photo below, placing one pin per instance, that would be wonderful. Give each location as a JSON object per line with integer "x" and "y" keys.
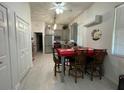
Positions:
{"x": 5, "y": 78}
{"x": 23, "y": 46}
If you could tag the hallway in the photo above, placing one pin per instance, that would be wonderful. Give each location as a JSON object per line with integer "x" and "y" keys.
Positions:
{"x": 41, "y": 76}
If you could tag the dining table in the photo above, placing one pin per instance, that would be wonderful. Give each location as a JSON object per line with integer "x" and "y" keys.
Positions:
{"x": 69, "y": 53}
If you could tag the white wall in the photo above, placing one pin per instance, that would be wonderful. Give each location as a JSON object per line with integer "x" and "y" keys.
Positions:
{"x": 113, "y": 65}
{"x": 81, "y": 37}
{"x": 23, "y": 11}
{"x": 21, "y": 8}
{"x": 38, "y": 26}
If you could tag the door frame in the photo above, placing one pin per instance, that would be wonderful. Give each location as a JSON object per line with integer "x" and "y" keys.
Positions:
{"x": 42, "y": 38}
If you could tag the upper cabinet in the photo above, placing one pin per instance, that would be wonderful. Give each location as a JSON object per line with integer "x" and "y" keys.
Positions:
{"x": 62, "y": 31}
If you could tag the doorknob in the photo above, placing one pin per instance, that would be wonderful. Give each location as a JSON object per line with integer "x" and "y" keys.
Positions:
{"x": 1, "y": 62}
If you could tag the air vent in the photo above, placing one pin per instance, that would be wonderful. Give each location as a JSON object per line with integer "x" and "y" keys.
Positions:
{"x": 97, "y": 20}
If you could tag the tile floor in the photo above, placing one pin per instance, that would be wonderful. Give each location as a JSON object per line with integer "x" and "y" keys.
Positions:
{"x": 41, "y": 77}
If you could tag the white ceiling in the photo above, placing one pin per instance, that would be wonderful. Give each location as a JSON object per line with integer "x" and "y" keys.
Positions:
{"x": 40, "y": 11}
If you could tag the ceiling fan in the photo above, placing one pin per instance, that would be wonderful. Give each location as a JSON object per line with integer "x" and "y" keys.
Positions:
{"x": 59, "y": 7}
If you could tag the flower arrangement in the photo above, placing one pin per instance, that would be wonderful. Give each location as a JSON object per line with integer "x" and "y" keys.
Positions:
{"x": 96, "y": 34}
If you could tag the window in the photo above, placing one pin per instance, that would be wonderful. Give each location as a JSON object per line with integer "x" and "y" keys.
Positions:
{"x": 118, "y": 36}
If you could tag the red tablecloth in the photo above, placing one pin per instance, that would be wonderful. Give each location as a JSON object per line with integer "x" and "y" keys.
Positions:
{"x": 70, "y": 52}
{"x": 65, "y": 52}
{"x": 90, "y": 52}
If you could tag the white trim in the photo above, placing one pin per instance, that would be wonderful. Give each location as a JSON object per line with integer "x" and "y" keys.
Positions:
{"x": 114, "y": 32}
{"x": 113, "y": 38}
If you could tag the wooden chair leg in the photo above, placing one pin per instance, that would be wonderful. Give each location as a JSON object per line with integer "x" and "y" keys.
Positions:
{"x": 75, "y": 76}
{"x": 55, "y": 70}
{"x": 91, "y": 73}
{"x": 69, "y": 69}
{"x": 100, "y": 72}
{"x": 83, "y": 73}
{"x": 85, "y": 69}
{"x": 64, "y": 69}
{"x": 69, "y": 72}
{"x": 58, "y": 68}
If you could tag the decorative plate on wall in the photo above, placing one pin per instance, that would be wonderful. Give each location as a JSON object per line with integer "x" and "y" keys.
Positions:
{"x": 96, "y": 34}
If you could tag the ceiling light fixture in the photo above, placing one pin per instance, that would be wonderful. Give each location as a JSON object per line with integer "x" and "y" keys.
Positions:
{"x": 59, "y": 10}
{"x": 55, "y": 26}
{"x": 59, "y": 7}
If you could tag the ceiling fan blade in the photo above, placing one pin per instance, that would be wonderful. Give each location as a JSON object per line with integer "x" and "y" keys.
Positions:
{"x": 59, "y": 4}
{"x": 55, "y": 4}
{"x": 66, "y": 9}
{"x": 52, "y": 8}
{"x": 63, "y": 4}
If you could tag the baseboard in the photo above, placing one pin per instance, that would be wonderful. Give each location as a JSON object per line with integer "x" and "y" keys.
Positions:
{"x": 31, "y": 65}
{"x": 114, "y": 83}
{"x": 18, "y": 86}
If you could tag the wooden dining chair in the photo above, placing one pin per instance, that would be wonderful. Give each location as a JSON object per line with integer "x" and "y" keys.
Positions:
{"x": 96, "y": 66}
{"x": 57, "y": 62}
{"x": 57, "y": 45}
{"x": 78, "y": 66}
